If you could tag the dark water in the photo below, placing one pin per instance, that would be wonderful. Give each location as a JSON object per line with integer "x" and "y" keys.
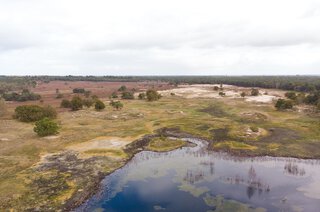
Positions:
{"x": 193, "y": 179}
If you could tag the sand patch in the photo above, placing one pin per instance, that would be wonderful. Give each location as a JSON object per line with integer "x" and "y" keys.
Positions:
{"x": 207, "y": 91}
{"x": 100, "y": 143}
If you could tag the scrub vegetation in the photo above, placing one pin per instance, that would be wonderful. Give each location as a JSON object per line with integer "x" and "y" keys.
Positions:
{"x": 59, "y": 172}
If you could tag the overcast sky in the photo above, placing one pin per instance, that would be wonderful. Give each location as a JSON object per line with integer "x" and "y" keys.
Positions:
{"x": 163, "y": 37}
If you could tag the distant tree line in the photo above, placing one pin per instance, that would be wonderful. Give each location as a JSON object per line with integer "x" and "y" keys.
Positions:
{"x": 297, "y": 83}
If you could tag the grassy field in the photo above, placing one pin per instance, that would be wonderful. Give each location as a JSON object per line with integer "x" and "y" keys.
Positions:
{"x": 59, "y": 171}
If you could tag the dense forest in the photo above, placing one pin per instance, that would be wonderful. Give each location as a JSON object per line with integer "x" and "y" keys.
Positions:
{"x": 297, "y": 83}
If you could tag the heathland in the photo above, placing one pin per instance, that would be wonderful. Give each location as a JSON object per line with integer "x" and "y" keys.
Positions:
{"x": 60, "y": 171}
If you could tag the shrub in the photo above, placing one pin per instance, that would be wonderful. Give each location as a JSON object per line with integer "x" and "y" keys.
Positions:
{"x": 243, "y": 94}
{"x": 127, "y": 95}
{"x": 65, "y": 103}
{"x": 59, "y": 96}
{"x": 26, "y": 95}
{"x": 122, "y": 88}
{"x": 312, "y": 98}
{"x": 142, "y": 96}
{"x": 78, "y": 90}
{"x": 45, "y": 127}
{"x": 88, "y": 102}
{"x": 76, "y": 103}
{"x": 254, "y": 92}
{"x": 116, "y": 104}
{"x": 291, "y": 95}
{"x": 215, "y": 88}
{"x": 114, "y": 95}
{"x": 29, "y": 113}
{"x": 283, "y": 104}
{"x": 222, "y": 93}
{"x": 172, "y": 94}
{"x": 152, "y": 95}
{"x": 99, "y": 105}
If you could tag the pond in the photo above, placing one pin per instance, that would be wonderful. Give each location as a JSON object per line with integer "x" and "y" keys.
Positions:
{"x": 194, "y": 179}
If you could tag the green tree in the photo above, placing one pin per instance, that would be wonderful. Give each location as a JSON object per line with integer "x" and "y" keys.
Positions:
{"x": 122, "y": 88}
{"x": 45, "y": 127}
{"x": 152, "y": 95}
{"x": 99, "y": 105}
{"x": 76, "y": 103}
{"x": 254, "y": 92}
{"x": 116, "y": 104}
{"x": 283, "y": 104}
{"x": 65, "y": 103}
{"x": 142, "y": 96}
{"x": 127, "y": 95}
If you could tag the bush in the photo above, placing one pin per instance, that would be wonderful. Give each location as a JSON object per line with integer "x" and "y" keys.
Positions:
{"x": 122, "y": 88}
{"x": 222, "y": 93}
{"x": 312, "y": 98}
{"x": 254, "y": 92}
{"x": 88, "y": 102}
{"x": 114, "y": 95}
{"x": 99, "y": 105}
{"x": 283, "y": 104}
{"x": 243, "y": 94}
{"x": 26, "y": 95}
{"x": 142, "y": 96}
{"x": 78, "y": 90}
{"x": 65, "y": 103}
{"x": 152, "y": 95}
{"x": 76, "y": 103}
{"x": 215, "y": 88}
{"x": 59, "y": 96}
{"x": 116, "y": 104}
{"x": 291, "y": 95}
{"x": 29, "y": 113}
{"x": 127, "y": 95}
{"x": 46, "y": 127}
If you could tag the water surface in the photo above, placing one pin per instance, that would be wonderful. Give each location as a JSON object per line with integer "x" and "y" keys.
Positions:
{"x": 194, "y": 179}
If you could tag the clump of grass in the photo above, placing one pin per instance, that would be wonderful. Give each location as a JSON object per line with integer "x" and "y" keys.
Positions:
{"x": 165, "y": 144}
{"x": 234, "y": 145}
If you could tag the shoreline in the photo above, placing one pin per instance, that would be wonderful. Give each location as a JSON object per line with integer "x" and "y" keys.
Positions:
{"x": 179, "y": 135}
